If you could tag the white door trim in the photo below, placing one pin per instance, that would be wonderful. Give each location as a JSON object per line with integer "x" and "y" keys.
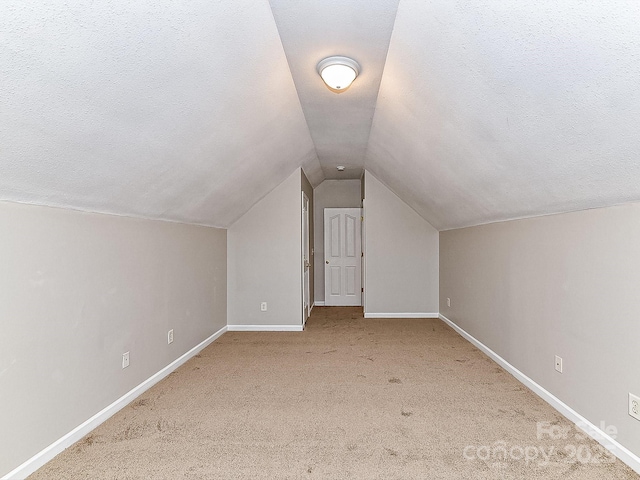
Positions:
{"x": 305, "y": 259}
{"x": 363, "y": 268}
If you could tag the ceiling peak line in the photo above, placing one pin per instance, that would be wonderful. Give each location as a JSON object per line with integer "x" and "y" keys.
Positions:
{"x": 311, "y": 31}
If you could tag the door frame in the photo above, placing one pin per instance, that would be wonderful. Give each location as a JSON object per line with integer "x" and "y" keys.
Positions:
{"x": 358, "y": 270}
{"x": 305, "y": 251}
{"x": 363, "y": 255}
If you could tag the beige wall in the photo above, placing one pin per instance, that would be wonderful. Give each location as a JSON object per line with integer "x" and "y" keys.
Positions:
{"x": 77, "y": 290}
{"x": 330, "y": 194}
{"x": 265, "y": 260}
{"x": 558, "y": 285}
{"x": 401, "y": 256}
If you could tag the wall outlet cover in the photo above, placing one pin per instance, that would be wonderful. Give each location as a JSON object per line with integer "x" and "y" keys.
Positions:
{"x": 558, "y": 364}
{"x": 125, "y": 360}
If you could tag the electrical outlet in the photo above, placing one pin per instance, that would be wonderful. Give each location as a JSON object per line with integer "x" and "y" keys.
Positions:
{"x": 263, "y": 307}
{"x": 125, "y": 359}
{"x": 634, "y": 406}
{"x": 170, "y": 336}
{"x": 448, "y": 302}
{"x": 558, "y": 364}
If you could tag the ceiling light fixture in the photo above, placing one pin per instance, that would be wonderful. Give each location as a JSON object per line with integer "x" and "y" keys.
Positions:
{"x": 340, "y": 168}
{"x": 338, "y": 72}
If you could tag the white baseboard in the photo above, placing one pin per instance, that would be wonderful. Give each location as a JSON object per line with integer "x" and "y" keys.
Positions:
{"x": 39, "y": 459}
{"x": 319, "y": 303}
{"x": 620, "y": 451}
{"x": 264, "y": 328}
{"x": 401, "y": 315}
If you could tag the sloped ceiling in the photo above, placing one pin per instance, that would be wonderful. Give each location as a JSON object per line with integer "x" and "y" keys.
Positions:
{"x": 175, "y": 110}
{"x": 193, "y": 111}
{"x": 493, "y": 110}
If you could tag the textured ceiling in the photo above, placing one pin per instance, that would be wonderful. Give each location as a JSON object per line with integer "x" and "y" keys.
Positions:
{"x": 493, "y": 110}
{"x": 192, "y": 111}
{"x": 176, "y": 110}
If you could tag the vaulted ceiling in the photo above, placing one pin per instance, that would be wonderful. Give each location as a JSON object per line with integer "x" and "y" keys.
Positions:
{"x": 471, "y": 111}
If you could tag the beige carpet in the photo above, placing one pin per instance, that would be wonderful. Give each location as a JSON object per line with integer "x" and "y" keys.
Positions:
{"x": 347, "y": 398}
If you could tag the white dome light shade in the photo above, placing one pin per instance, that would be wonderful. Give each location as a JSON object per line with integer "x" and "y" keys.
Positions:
{"x": 338, "y": 77}
{"x": 338, "y": 72}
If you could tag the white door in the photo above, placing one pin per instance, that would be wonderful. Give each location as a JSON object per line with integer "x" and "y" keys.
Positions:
{"x": 342, "y": 256}
{"x": 305, "y": 259}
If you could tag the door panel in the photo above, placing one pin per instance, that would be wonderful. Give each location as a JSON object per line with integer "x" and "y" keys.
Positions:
{"x": 350, "y": 241}
{"x": 350, "y": 283}
{"x": 335, "y": 281}
{"x": 335, "y": 236}
{"x": 342, "y": 237}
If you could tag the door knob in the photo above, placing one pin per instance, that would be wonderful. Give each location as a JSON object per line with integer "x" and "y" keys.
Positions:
{"x": 327, "y": 262}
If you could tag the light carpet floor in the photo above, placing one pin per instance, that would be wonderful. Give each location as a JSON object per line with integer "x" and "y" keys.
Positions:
{"x": 348, "y": 398}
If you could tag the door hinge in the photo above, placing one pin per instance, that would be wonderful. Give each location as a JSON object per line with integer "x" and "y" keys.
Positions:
{"x": 362, "y": 254}
{"x": 362, "y": 290}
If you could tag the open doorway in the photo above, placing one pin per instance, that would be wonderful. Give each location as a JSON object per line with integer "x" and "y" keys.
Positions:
{"x": 329, "y": 194}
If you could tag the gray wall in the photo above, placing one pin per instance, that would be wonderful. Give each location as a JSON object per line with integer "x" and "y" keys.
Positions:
{"x": 77, "y": 290}
{"x": 265, "y": 259}
{"x": 401, "y": 255}
{"x": 330, "y": 194}
{"x": 558, "y": 285}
